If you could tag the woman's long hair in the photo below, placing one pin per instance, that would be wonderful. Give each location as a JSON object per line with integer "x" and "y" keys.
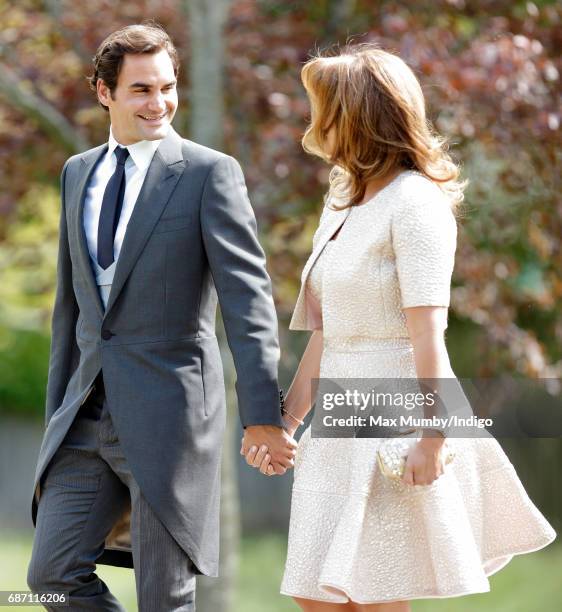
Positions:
{"x": 368, "y": 119}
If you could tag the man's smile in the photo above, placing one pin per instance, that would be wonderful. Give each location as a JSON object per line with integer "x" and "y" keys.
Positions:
{"x": 153, "y": 117}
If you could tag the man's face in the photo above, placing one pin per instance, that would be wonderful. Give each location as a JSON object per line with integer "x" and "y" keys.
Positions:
{"x": 145, "y": 99}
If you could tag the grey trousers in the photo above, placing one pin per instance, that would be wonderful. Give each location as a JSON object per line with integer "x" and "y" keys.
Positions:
{"x": 86, "y": 487}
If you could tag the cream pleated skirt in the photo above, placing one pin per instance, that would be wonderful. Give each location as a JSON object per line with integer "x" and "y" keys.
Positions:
{"x": 356, "y": 535}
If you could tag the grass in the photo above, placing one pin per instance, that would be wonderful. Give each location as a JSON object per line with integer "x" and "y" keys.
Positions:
{"x": 529, "y": 583}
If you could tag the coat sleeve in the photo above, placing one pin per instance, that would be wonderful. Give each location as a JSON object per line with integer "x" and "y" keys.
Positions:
{"x": 238, "y": 267}
{"x": 64, "y": 352}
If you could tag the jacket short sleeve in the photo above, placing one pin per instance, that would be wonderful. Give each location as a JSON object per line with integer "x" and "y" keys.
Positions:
{"x": 424, "y": 239}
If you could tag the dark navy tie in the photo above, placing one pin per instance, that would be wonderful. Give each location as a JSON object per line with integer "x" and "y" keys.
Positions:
{"x": 111, "y": 209}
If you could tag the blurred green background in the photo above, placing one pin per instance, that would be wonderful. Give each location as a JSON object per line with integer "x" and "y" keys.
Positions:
{"x": 529, "y": 583}
{"x": 491, "y": 75}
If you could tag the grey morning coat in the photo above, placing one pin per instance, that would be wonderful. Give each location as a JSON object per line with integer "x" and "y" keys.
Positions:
{"x": 191, "y": 238}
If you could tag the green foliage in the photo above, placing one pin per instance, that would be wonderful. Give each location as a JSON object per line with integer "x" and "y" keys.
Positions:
{"x": 27, "y": 267}
{"x": 24, "y": 355}
{"x": 28, "y": 258}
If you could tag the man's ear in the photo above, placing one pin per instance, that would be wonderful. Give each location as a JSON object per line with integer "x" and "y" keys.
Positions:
{"x": 103, "y": 92}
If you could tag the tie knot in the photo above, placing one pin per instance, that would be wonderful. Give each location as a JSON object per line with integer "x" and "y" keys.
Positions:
{"x": 121, "y": 153}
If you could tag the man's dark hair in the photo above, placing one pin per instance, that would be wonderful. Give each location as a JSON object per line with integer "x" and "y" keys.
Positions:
{"x": 148, "y": 37}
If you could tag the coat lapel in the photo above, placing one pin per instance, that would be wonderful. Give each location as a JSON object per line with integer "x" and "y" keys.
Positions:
{"x": 302, "y": 315}
{"x": 89, "y": 161}
{"x": 331, "y": 226}
{"x": 163, "y": 174}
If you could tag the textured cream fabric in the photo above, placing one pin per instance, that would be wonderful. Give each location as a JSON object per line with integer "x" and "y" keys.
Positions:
{"x": 397, "y": 250}
{"x": 354, "y": 534}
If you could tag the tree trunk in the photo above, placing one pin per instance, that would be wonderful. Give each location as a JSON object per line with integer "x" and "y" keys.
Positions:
{"x": 206, "y": 22}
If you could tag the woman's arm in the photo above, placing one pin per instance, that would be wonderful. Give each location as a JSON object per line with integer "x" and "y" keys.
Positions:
{"x": 298, "y": 402}
{"x": 299, "y": 398}
{"x": 426, "y": 328}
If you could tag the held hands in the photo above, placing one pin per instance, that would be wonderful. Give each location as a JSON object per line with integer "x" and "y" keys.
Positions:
{"x": 269, "y": 448}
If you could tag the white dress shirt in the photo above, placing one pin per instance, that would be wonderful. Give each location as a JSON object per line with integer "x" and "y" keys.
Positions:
{"x": 136, "y": 167}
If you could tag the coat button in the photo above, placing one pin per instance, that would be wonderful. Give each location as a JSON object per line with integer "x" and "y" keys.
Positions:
{"x": 106, "y": 334}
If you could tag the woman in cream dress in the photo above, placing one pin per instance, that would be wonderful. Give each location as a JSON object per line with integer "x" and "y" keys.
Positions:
{"x": 375, "y": 292}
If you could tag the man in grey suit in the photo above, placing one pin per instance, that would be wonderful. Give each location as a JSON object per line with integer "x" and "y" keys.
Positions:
{"x": 154, "y": 229}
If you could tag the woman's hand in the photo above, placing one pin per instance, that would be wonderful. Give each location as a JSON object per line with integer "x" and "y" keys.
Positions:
{"x": 424, "y": 463}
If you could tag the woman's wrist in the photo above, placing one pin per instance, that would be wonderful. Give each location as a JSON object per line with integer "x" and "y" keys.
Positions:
{"x": 289, "y": 426}
{"x": 433, "y": 432}
{"x": 432, "y": 438}
{"x": 289, "y": 415}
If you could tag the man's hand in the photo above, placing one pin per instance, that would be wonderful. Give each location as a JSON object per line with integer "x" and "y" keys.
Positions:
{"x": 269, "y": 448}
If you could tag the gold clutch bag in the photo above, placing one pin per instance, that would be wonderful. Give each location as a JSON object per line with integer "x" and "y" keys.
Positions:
{"x": 393, "y": 452}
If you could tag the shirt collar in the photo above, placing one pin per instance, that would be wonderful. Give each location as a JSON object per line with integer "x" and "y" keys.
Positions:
{"x": 141, "y": 152}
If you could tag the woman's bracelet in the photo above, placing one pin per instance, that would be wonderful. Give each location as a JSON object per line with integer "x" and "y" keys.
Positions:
{"x": 285, "y": 411}
{"x": 292, "y": 416}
